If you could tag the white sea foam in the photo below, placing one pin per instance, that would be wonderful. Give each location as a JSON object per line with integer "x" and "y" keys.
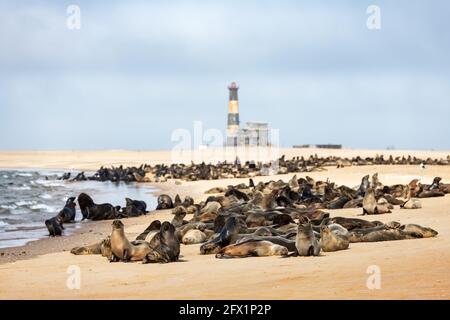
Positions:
{"x": 8, "y": 206}
{"x": 22, "y": 203}
{"x": 41, "y": 206}
{"x": 5, "y": 176}
{"x": 3, "y": 224}
{"x": 21, "y": 188}
{"x": 50, "y": 183}
{"x": 45, "y": 196}
{"x": 23, "y": 174}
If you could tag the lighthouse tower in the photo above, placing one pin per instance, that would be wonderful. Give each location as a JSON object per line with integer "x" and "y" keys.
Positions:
{"x": 233, "y": 115}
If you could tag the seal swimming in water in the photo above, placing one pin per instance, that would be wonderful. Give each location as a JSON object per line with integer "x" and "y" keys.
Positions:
{"x": 330, "y": 241}
{"x": 122, "y": 249}
{"x": 306, "y": 242}
{"x": 252, "y": 248}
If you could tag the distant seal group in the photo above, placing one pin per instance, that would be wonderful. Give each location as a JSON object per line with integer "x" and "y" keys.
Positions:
{"x": 237, "y": 169}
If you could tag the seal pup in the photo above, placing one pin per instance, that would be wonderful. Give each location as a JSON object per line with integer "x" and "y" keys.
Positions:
{"x": 55, "y": 225}
{"x": 330, "y": 241}
{"x": 122, "y": 249}
{"x": 252, "y": 248}
{"x": 306, "y": 242}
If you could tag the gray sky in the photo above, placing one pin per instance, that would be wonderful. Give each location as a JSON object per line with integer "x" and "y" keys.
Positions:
{"x": 137, "y": 70}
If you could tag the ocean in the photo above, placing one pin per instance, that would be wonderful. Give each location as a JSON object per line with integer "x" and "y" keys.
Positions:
{"x": 29, "y": 197}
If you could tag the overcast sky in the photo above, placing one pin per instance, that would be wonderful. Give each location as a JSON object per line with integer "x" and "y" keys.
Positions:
{"x": 137, "y": 70}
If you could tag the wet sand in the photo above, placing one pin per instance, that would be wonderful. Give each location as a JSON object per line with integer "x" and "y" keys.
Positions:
{"x": 414, "y": 269}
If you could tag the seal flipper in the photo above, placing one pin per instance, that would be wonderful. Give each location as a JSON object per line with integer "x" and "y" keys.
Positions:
{"x": 114, "y": 258}
{"x": 126, "y": 258}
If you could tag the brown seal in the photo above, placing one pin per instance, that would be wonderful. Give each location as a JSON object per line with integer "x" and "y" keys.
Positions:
{"x": 122, "y": 249}
{"x": 252, "y": 248}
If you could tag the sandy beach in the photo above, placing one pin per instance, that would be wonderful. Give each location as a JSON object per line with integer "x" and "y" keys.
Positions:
{"x": 410, "y": 269}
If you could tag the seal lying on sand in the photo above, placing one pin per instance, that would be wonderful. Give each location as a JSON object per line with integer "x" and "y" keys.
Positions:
{"x": 91, "y": 210}
{"x": 103, "y": 247}
{"x": 122, "y": 249}
{"x": 135, "y": 208}
{"x": 252, "y": 248}
{"x": 330, "y": 241}
{"x": 289, "y": 244}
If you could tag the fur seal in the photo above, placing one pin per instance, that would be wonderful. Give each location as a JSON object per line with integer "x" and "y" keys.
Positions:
{"x": 383, "y": 235}
{"x": 55, "y": 225}
{"x": 122, "y": 249}
{"x": 168, "y": 249}
{"x": 69, "y": 212}
{"x": 330, "y": 241}
{"x": 289, "y": 244}
{"x": 103, "y": 248}
{"x": 150, "y": 231}
{"x": 371, "y": 206}
{"x": 252, "y": 248}
{"x": 91, "y": 210}
{"x": 180, "y": 213}
{"x": 228, "y": 235}
{"x": 194, "y": 236}
{"x": 305, "y": 242}
{"x": 425, "y": 232}
{"x": 164, "y": 202}
{"x": 354, "y": 223}
{"x": 135, "y": 208}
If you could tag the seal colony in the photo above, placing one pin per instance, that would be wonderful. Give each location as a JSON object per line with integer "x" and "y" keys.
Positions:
{"x": 226, "y": 170}
{"x": 271, "y": 218}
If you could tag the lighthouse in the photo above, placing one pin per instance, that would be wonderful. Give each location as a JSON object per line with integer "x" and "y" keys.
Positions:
{"x": 233, "y": 115}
